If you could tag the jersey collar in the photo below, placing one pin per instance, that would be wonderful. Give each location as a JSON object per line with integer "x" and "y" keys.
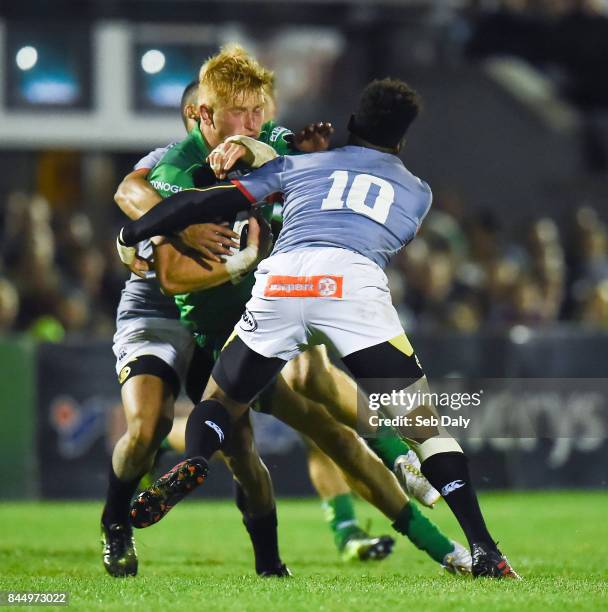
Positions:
{"x": 201, "y": 143}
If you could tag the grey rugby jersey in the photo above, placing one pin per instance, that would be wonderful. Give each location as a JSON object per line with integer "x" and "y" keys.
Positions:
{"x": 143, "y": 297}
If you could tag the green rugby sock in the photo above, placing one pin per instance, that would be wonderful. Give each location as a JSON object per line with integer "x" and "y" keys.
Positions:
{"x": 424, "y": 534}
{"x": 388, "y": 446}
{"x": 340, "y": 514}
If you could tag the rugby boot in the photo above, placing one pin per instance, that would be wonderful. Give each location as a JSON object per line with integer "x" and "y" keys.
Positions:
{"x": 280, "y": 571}
{"x": 458, "y": 561}
{"x": 118, "y": 549}
{"x": 491, "y": 563}
{"x": 363, "y": 547}
{"x": 413, "y": 481}
{"x": 154, "y": 503}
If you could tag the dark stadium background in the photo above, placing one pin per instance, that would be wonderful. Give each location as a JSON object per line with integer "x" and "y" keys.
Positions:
{"x": 508, "y": 278}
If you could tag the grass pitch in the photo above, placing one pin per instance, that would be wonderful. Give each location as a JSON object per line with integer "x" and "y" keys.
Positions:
{"x": 199, "y": 558}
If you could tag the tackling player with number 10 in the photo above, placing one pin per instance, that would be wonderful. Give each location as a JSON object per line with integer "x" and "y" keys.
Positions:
{"x": 346, "y": 213}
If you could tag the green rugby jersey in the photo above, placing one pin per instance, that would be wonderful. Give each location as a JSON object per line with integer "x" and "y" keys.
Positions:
{"x": 215, "y": 310}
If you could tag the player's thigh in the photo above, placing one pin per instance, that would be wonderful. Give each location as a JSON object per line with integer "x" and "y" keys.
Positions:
{"x": 294, "y": 409}
{"x": 149, "y": 387}
{"x": 313, "y": 375}
{"x": 155, "y": 346}
{"x": 240, "y": 373}
{"x": 390, "y": 360}
{"x": 307, "y": 416}
{"x": 308, "y": 371}
{"x": 199, "y": 372}
{"x": 148, "y": 403}
{"x": 392, "y": 370}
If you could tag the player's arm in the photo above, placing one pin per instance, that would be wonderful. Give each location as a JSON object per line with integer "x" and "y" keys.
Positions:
{"x": 314, "y": 137}
{"x": 223, "y": 201}
{"x": 186, "y": 208}
{"x": 179, "y": 272}
{"x": 135, "y": 196}
{"x": 273, "y": 141}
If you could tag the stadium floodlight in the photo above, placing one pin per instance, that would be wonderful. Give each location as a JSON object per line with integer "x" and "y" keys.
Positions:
{"x": 153, "y": 61}
{"x": 26, "y": 58}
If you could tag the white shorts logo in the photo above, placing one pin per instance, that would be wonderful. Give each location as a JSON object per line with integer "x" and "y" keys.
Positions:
{"x": 217, "y": 429}
{"x": 452, "y": 486}
{"x": 248, "y": 322}
{"x": 327, "y": 287}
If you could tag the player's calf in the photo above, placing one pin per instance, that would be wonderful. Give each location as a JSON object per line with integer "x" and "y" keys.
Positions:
{"x": 208, "y": 427}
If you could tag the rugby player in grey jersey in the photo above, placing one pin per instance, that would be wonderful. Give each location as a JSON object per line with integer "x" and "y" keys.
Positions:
{"x": 153, "y": 351}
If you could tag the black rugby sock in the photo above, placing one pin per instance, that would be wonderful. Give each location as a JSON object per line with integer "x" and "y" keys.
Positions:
{"x": 263, "y": 531}
{"x": 207, "y": 429}
{"x": 118, "y": 499}
{"x": 449, "y": 474}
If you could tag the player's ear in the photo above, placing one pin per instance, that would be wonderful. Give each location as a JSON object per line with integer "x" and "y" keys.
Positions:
{"x": 206, "y": 115}
{"x": 191, "y": 112}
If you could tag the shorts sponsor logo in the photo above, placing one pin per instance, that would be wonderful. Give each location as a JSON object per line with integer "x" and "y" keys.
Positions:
{"x": 304, "y": 286}
{"x": 451, "y": 486}
{"x": 164, "y": 186}
{"x": 248, "y": 322}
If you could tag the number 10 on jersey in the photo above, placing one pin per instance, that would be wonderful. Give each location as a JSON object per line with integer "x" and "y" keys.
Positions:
{"x": 357, "y": 194}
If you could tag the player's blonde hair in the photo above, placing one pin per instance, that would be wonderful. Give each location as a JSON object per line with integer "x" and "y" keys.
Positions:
{"x": 230, "y": 75}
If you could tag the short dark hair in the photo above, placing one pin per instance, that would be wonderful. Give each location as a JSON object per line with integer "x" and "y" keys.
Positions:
{"x": 190, "y": 90}
{"x": 189, "y": 96}
{"x": 387, "y": 108}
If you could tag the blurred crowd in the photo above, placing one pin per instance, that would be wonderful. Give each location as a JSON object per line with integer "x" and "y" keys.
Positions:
{"x": 55, "y": 279}
{"x": 463, "y": 272}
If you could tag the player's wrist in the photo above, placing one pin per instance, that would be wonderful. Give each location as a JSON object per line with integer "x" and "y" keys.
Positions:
{"x": 241, "y": 263}
{"x": 126, "y": 253}
{"x": 258, "y": 153}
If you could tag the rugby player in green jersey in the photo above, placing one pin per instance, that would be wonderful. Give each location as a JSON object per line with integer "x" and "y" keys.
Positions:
{"x": 351, "y": 540}
{"x": 211, "y": 315}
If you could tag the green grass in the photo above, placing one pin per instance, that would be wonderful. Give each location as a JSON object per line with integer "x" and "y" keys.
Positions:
{"x": 199, "y": 559}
